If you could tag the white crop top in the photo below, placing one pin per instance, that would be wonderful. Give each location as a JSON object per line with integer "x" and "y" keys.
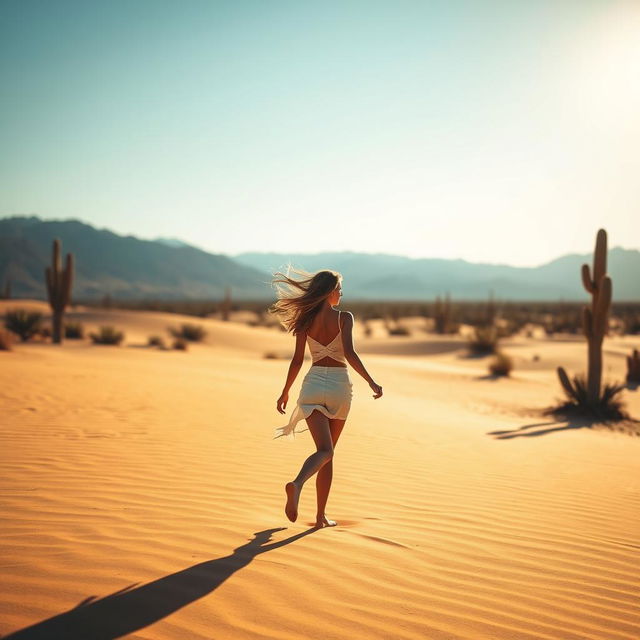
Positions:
{"x": 332, "y": 350}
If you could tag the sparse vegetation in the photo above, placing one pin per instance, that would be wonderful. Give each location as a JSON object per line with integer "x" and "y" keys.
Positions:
{"x": 595, "y": 326}
{"x": 156, "y": 341}
{"x": 59, "y": 283}
{"x": 107, "y": 335}
{"x": 23, "y": 323}
{"x": 608, "y": 406}
{"x": 501, "y": 365}
{"x": 191, "y": 332}
{"x": 74, "y": 330}
{"x": 484, "y": 340}
{"x": 180, "y": 343}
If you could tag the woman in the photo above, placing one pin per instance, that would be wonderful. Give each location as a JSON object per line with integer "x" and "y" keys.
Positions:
{"x": 307, "y": 309}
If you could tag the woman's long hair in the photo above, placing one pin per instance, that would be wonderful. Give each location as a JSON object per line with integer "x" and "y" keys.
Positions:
{"x": 299, "y": 301}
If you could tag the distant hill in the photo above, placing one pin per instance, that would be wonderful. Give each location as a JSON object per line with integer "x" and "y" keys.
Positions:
{"x": 393, "y": 277}
{"x": 124, "y": 266}
{"x": 128, "y": 267}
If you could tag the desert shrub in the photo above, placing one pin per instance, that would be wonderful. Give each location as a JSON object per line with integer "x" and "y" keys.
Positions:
{"x": 608, "y": 407}
{"x": 23, "y": 323}
{"x": 187, "y": 331}
{"x": 180, "y": 343}
{"x": 501, "y": 365}
{"x": 6, "y": 340}
{"x": 73, "y": 330}
{"x": 398, "y": 330}
{"x": 271, "y": 355}
{"x": 45, "y": 332}
{"x": 156, "y": 341}
{"x": 484, "y": 340}
{"x": 107, "y": 335}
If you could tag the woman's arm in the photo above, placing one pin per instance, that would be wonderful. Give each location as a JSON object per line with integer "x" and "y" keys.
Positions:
{"x": 349, "y": 352}
{"x": 296, "y": 361}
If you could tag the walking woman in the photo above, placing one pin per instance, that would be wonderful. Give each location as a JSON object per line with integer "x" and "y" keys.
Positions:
{"x": 306, "y": 308}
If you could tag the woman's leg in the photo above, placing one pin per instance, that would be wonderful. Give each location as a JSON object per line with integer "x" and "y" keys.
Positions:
{"x": 325, "y": 476}
{"x": 319, "y": 427}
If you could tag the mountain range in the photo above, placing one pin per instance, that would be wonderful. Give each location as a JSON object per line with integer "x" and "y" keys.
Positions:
{"x": 128, "y": 267}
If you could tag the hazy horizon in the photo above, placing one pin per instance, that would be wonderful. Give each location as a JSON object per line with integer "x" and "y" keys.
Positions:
{"x": 491, "y": 131}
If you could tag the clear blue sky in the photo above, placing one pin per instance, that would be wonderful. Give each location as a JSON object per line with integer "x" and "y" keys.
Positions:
{"x": 500, "y": 131}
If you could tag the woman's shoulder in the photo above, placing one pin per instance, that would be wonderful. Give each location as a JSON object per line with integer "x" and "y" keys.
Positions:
{"x": 346, "y": 316}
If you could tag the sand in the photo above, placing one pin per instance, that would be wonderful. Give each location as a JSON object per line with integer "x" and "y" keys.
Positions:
{"x": 143, "y": 497}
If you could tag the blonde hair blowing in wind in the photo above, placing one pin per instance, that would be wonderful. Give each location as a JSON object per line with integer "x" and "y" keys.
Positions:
{"x": 300, "y": 300}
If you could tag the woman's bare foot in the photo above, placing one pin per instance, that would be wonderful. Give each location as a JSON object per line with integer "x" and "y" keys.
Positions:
{"x": 325, "y": 522}
{"x": 293, "y": 494}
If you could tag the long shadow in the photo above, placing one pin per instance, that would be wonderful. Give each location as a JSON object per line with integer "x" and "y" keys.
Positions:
{"x": 132, "y": 608}
{"x": 630, "y": 426}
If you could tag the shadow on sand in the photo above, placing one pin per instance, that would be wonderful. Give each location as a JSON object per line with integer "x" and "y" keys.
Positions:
{"x": 134, "y": 607}
{"x": 630, "y": 427}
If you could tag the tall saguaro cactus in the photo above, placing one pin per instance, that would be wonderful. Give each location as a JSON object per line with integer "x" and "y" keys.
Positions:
{"x": 595, "y": 320}
{"x": 59, "y": 283}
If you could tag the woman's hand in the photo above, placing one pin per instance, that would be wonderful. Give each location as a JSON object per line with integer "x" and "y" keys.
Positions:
{"x": 282, "y": 402}
{"x": 377, "y": 389}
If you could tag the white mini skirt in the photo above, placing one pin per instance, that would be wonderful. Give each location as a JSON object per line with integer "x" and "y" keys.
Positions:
{"x": 327, "y": 389}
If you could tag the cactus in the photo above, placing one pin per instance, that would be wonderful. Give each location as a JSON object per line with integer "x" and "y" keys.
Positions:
{"x": 59, "y": 283}
{"x": 595, "y": 320}
{"x": 442, "y": 315}
{"x": 226, "y": 304}
{"x": 633, "y": 367}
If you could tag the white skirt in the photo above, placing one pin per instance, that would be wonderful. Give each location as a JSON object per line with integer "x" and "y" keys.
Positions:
{"x": 327, "y": 389}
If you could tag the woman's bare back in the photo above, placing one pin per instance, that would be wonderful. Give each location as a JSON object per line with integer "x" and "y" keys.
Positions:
{"x": 324, "y": 329}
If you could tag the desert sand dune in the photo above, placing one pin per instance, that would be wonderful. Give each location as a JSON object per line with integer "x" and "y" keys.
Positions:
{"x": 143, "y": 496}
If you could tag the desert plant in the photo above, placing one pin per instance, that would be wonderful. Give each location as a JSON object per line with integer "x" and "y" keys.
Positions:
{"x": 442, "y": 315}
{"x": 607, "y": 406}
{"x": 192, "y": 332}
{"x": 107, "y": 335}
{"x": 73, "y": 330}
{"x": 156, "y": 341}
{"x": 6, "y": 340}
{"x": 484, "y": 340}
{"x": 45, "y": 332}
{"x": 633, "y": 367}
{"x": 398, "y": 329}
{"x": 59, "y": 283}
{"x": 179, "y": 343}
{"x": 501, "y": 365}
{"x": 594, "y": 319}
{"x": 23, "y": 322}
{"x": 271, "y": 355}
{"x": 225, "y": 306}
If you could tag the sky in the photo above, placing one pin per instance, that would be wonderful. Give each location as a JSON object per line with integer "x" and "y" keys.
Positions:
{"x": 496, "y": 131}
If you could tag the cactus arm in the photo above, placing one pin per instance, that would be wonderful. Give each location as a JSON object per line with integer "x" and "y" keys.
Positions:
{"x": 586, "y": 278}
{"x": 47, "y": 273}
{"x": 67, "y": 280}
{"x": 56, "y": 268}
{"x": 600, "y": 257}
{"x": 566, "y": 383}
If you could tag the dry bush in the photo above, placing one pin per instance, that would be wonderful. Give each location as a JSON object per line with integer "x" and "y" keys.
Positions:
{"x": 156, "y": 341}
{"x": 484, "y": 340}
{"x": 73, "y": 330}
{"x": 23, "y": 322}
{"x": 180, "y": 343}
{"x": 107, "y": 335}
{"x": 608, "y": 407}
{"x": 187, "y": 331}
{"x": 501, "y": 365}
